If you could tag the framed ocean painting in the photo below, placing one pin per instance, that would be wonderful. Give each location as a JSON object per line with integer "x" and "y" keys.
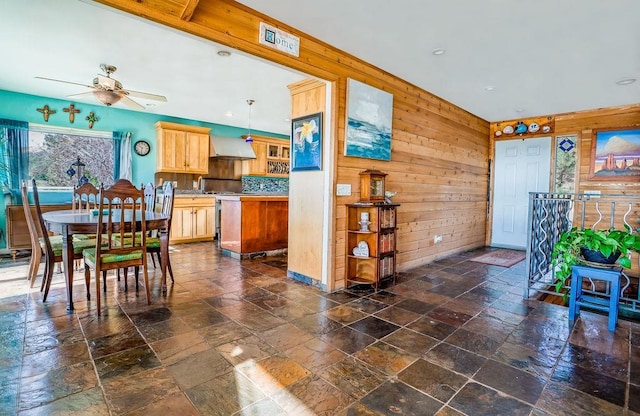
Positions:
{"x": 615, "y": 155}
{"x": 369, "y": 114}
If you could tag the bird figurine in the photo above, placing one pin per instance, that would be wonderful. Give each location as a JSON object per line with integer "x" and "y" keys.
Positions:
{"x": 521, "y": 127}
{"x": 388, "y": 195}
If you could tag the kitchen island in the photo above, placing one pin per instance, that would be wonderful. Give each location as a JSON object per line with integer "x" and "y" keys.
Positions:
{"x": 253, "y": 224}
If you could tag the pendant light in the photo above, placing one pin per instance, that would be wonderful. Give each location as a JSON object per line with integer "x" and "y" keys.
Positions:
{"x": 249, "y": 139}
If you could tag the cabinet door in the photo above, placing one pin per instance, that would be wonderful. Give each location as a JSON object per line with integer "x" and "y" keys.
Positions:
{"x": 181, "y": 224}
{"x": 171, "y": 155}
{"x": 197, "y": 153}
{"x": 258, "y": 166}
{"x": 285, "y": 153}
{"x": 203, "y": 222}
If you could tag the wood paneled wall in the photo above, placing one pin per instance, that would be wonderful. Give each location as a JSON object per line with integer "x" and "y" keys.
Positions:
{"x": 439, "y": 152}
{"x": 583, "y": 123}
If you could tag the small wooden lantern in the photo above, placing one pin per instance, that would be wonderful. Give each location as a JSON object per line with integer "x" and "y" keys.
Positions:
{"x": 372, "y": 185}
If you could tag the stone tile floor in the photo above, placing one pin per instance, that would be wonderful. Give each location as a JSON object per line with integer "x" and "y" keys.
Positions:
{"x": 239, "y": 338}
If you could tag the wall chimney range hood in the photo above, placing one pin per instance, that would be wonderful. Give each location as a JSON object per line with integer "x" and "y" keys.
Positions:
{"x": 230, "y": 148}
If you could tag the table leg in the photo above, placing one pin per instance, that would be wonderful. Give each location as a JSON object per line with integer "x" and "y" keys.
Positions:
{"x": 164, "y": 256}
{"x": 67, "y": 261}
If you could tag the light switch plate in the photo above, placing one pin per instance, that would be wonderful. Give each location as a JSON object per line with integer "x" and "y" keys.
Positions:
{"x": 343, "y": 189}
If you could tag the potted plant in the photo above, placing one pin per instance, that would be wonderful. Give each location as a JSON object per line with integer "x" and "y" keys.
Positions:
{"x": 582, "y": 246}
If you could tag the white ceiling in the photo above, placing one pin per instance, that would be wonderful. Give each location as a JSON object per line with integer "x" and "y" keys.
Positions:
{"x": 69, "y": 39}
{"x": 540, "y": 56}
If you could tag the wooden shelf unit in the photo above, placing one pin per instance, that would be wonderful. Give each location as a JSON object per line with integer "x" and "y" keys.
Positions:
{"x": 380, "y": 238}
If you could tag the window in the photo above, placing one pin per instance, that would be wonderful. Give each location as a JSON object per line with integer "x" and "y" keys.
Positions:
{"x": 566, "y": 157}
{"x": 54, "y": 153}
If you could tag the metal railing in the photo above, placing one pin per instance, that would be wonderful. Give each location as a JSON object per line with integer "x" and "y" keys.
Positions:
{"x": 552, "y": 214}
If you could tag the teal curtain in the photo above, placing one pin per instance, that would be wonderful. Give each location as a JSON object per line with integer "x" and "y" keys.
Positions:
{"x": 14, "y": 138}
{"x": 117, "y": 145}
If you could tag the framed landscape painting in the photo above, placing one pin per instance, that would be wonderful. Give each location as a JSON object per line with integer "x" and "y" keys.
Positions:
{"x": 615, "y": 155}
{"x": 369, "y": 114}
{"x": 306, "y": 143}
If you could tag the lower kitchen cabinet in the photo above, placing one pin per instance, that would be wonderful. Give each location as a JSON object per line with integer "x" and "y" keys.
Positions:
{"x": 192, "y": 219}
{"x": 253, "y": 223}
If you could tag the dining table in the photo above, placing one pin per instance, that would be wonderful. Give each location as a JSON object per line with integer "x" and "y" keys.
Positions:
{"x": 69, "y": 222}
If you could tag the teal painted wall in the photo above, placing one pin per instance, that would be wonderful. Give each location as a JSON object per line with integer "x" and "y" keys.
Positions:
{"x": 23, "y": 107}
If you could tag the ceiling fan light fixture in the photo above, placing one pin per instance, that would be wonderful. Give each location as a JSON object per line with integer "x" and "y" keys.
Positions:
{"x": 107, "y": 98}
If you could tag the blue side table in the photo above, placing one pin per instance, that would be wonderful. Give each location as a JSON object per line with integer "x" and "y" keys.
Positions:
{"x": 577, "y": 298}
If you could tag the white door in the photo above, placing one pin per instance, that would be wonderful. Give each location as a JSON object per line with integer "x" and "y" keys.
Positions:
{"x": 521, "y": 166}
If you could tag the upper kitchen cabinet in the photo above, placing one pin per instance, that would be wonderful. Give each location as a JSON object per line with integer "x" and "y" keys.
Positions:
{"x": 272, "y": 157}
{"x": 182, "y": 148}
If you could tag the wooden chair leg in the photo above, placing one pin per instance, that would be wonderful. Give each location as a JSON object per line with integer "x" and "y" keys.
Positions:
{"x": 34, "y": 265}
{"x": 136, "y": 270}
{"x": 126, "y": 279}
{"x": 87, "y": 279}
{"x": 104, "y": 281}
{"x": 47, "y": 278}
{"x": 146, "y": 283}
{"x": 118, "y": 274}
{"x": 169, "y": 268}
{"x": 154, "y": 261}
{"x": 47, "y": 266}
{"x": 98, "y": 291}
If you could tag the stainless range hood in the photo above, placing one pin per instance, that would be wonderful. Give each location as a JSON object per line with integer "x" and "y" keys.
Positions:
{"x": 230, "y": 148}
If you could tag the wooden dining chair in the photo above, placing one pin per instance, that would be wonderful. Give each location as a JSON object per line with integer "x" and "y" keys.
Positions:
{"x": 153, "y": 243}
{"x": 52, "y": 245}
{"x": 85, "y": 197}
{"x": 34, "y": 235}
{"x": 121, "y": 207}
{"x": 150, "y": 193}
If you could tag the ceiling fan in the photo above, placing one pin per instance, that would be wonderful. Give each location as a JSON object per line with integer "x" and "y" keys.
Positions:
{"x": 109, "y": 91}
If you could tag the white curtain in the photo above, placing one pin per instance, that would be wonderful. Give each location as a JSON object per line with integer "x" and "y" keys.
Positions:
{"x": 125, "y": 158}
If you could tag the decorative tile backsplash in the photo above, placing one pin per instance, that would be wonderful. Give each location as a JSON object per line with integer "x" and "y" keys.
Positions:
{"x": 265, "y": 185}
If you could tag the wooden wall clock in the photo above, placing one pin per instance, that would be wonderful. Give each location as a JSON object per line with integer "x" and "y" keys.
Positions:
{"x": 372, "y": 185}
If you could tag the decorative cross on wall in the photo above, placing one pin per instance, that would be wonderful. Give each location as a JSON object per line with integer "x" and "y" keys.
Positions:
{"x": 91, "y": 118}
{"x": 46, "y": 112}
{"x": 72, "y": 110}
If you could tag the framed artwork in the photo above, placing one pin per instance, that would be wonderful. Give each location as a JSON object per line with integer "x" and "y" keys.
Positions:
{"x": 369, "y": 114}
{"x": 615, "y": 155}
{"x": 306, "y": 143}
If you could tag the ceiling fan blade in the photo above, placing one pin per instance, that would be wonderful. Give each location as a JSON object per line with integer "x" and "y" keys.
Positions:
{"x": 130, "y": 103}
{"x": 81, "y": 95}
{"x": 65, "y": 82}
{"x": 147, "y": 96}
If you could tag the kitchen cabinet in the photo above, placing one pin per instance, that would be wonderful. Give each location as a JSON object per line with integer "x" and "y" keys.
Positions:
{"x": 192, "y": 219}
{"x": 182, "y": 148}
{"x": 371, "y": 244}
{"x": 272, "y": 157}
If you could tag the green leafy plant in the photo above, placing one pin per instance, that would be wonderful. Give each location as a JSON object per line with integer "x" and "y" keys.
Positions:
{"x": 567, "y": 251}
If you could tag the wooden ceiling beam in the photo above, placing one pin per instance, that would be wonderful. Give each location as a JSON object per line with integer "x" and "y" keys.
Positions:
{"x": 188, "y": 10}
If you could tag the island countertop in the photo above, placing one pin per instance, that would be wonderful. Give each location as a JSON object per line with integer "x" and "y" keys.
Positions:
{"x": 251, "y": 197}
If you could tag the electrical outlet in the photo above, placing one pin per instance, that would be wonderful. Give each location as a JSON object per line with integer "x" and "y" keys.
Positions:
{"x": 437, "y": 239}
{"x": 343, "y": 189}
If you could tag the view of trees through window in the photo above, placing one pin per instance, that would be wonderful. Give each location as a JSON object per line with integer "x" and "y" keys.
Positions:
{"x": 51, "y": 155}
